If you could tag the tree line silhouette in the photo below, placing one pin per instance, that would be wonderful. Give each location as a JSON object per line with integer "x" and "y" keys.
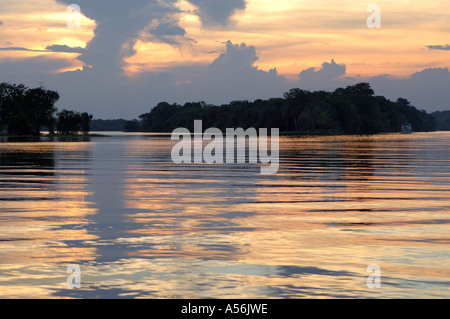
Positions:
{"x": 25, "y": 111}
{"x": 351, "y": 110}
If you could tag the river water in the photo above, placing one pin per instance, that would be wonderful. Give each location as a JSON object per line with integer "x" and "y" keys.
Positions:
{"x": 139, "y": 226}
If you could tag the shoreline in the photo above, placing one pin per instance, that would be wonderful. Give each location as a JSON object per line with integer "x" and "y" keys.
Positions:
{"x": 287, "y": 133}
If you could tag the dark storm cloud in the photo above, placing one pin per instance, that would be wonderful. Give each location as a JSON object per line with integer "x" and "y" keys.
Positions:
{"x": 217, "y": 12}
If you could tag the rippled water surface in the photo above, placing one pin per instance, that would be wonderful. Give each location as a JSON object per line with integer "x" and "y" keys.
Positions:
{"x": 140, "y": 226}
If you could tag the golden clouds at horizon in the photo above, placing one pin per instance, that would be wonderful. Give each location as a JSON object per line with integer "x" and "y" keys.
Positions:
{"x": 295, "y": 35}
{"x": 288, "y": 35}
{"x": 29, "y": 27}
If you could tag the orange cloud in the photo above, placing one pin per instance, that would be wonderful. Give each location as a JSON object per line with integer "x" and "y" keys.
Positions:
{"x": 29, "y": 27}
{"x": 290, "y": 35}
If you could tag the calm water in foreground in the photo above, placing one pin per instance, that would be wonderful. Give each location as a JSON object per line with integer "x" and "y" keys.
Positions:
{"x": 140, "y": 226}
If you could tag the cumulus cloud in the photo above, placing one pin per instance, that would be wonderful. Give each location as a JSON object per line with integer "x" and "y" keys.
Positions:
{"x": 327, "y": 71}
{"x": 236, "y": 58}
{"x": 328, "y": 77}
{"x": 426, "y": 89}
{"x": 233, "y": 76}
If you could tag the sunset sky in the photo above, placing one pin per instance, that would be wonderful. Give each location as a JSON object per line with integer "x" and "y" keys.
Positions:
{"x": 127, "y": 56}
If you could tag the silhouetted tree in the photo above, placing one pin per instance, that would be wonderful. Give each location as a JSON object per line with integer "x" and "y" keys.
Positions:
{"x": 18, "y": 124}
{"x": 70, "y": 122}
{"x": 11, "y": 103}
{"x": 360, "y": 88}
{"x": 30, "y": 108}
{"x": 39, "y": 107}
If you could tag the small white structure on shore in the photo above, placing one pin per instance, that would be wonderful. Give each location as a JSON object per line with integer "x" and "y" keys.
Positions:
{"x": 406, "y": 128}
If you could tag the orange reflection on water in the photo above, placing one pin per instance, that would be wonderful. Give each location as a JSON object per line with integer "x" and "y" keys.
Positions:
{"x": 43, "y": 203}
{"x": 338, "y": 204}
{"x": 145, "y": 227}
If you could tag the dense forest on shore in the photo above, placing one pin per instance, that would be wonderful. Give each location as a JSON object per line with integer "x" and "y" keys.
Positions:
{"x": 351, "y": 110}
{"x": 25, "y": 111}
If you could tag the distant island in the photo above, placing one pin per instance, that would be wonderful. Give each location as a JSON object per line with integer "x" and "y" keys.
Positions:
{"x": 351, "y": 110}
